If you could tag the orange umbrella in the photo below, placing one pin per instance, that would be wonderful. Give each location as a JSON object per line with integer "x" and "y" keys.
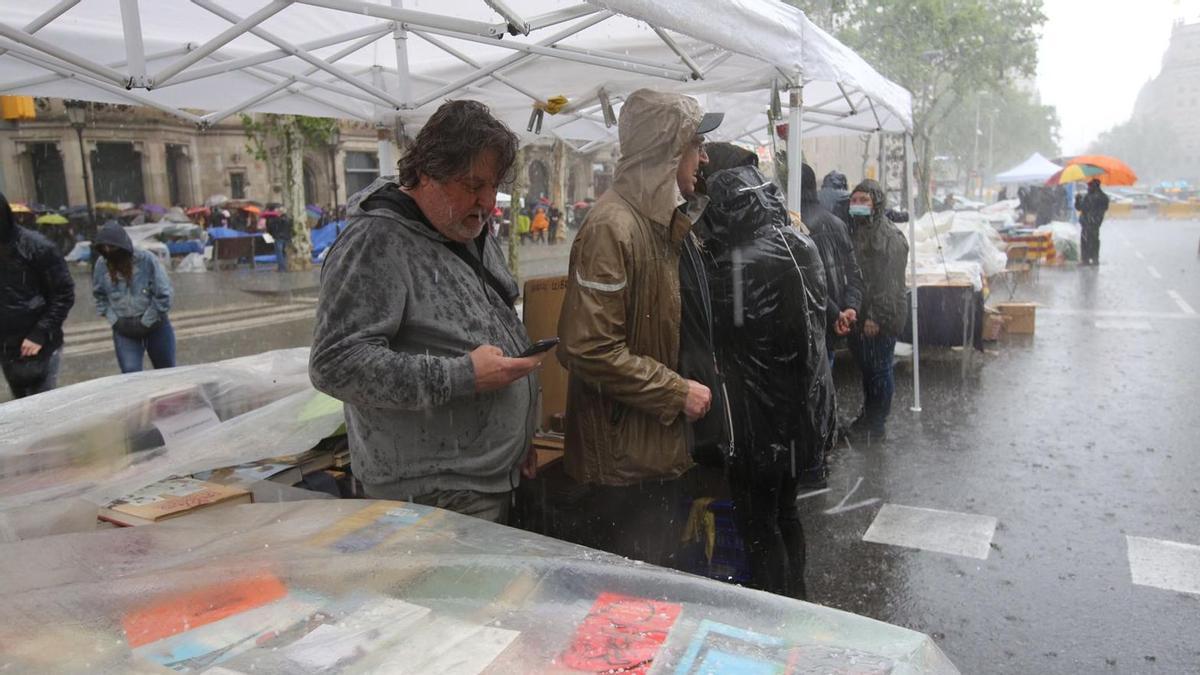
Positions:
{"x": 1116, "y": 172}
{"x": 252, "y": 209}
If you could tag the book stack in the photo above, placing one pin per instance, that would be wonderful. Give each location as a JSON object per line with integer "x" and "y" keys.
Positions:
{"x": 171, "y": 498}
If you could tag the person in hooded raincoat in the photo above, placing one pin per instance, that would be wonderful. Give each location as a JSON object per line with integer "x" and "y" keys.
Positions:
{"x": 627, "y": 404}
{"x": 882, "y": 254}
{"x": 1092, "y": 207}
{"x": 133, "y": 292}
{"x": 843, "y": 278}
{"x": 769, "y": 304}
{"x": 36, "y": 294}
{"x": 835, "y": 194}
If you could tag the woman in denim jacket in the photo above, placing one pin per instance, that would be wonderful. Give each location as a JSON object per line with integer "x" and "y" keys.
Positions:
{"x": 133, "y": 292}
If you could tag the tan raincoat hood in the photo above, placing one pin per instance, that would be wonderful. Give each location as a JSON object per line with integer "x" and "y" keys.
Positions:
{"x": 620, "y": 318}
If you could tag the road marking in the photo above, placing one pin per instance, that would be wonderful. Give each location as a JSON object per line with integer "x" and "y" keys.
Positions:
{"x": 814, "y": 493}
{"x": 1139, "y": 254}
{"x": 964, "y": 534}
{"x": 843, "y": 507}
{"x": 1125, "y": 325}
{"x": 101, "y": 329}
{"x": 1113, "y": 313}
{"x": 1153, "y": 271}
{"x": 1168, "y": 565}
{"x": 1183, "y": 304}
{"x": 99, "y": 346}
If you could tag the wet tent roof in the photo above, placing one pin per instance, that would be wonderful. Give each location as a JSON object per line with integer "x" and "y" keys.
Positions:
{"x": 614, "y": 45}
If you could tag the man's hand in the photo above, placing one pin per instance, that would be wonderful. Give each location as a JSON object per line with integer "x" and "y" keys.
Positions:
{"x": 529, "y": 465}
{"x": 494, "y": 370}
{"x": 30, "y": 348}
{"x": 845, "y": 322}
{"x": 870, "y": 328}
{"x": 699, "y": 398}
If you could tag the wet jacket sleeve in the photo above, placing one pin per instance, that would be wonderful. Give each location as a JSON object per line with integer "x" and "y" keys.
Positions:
{"x": 160, "y": 294}
{"x": 59, "y": 290}
{"x": 853, "y": 292}
{"x": 100, "y": 292}
{"x": 361, "y": 308}
{"x": 889, "y": 311}
{"x": 593, "y": 328}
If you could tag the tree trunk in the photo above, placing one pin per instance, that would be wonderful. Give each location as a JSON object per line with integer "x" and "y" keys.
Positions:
{"x": 924, "y": 150}
{"x": 300, "y": 249}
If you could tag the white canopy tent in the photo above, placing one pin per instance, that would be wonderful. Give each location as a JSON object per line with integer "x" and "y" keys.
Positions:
{"x": 205, "y": 60}
{"x": 1035, "y": 169}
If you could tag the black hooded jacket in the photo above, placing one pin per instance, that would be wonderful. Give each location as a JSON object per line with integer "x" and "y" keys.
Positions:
{"x": 768, "y": 295}
{"x": 36, "y": 289}
{"x": 843, "y": 278}
{"x": 1092, "y": 206}
{"x": 835, "y": 195}
{"x": 882, "y": 253}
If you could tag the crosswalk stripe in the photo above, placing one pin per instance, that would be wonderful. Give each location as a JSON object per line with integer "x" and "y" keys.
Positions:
{"x": 105, "y": 344}
{"x": 102, "y": 326}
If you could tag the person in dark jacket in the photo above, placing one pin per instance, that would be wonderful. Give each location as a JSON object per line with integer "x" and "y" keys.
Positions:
{"x": 279, "y": 226}
{"x": 133, "y": 292}
{"x": 36, "y": 293}
{"x": 835, "y": 195}
{"x": 710, "y": 436}
{"x": 768, "y": 294}
{"x": 882, "y": 253}
{"x": 1092, "y": 207}
{"x": 843, "y": 278}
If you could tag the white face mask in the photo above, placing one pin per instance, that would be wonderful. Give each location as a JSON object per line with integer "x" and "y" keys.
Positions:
{"x": 860, "y": 210}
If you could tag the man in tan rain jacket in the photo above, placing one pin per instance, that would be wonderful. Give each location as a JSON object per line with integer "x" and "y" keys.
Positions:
{"x": 627, "y": 407}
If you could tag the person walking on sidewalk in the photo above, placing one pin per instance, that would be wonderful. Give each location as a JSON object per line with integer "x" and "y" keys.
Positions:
{"x": 133, "y": 292}
{"x": 279, "y": 226}
{"x": 36, "y": 293}
{"x": 881, "y": 251}
{"x": 1092, "y": 207}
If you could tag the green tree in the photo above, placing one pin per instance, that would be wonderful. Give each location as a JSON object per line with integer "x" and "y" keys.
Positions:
{"x": 280, "y": 140}
{"x": 1014, "y": 122}
{"x": 943, "y": 51}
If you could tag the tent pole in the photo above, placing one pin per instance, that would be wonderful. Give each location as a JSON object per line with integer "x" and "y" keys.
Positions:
{"x": 383, "y": 136}
{"x": 403, "y": 74}
{"x": 880, "y": 138}
{"x": 135, "y": 52}
{"x": 238, "y": 29}
{"x": 795, "y": 159}
{"x": 909, "y": 178}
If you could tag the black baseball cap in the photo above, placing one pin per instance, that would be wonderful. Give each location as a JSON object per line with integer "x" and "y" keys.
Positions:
{"x": 709, "y": 122}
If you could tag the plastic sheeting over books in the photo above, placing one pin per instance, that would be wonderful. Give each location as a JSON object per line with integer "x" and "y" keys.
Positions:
{"x": 370, "y": 586}
{"x": 65, "y": 452}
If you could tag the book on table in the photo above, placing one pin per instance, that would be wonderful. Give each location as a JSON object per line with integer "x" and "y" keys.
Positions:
{"x": 172, "y": 498}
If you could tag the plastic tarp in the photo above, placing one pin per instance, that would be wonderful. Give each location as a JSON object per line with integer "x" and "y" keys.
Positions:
{"x": 738, "y": 46}
{"x": 957, "y": 246}
{"x": 324, "y": 236}
{"x": 1035, "y": 169}
{"x": 1066, "y": 238}
{"x": 361, "y": 586}
{"x": 98, "y": 440}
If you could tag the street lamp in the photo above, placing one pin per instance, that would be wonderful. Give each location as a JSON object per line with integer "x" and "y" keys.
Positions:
{"x": 335, "y": 137}
{"x": 77, "y": 116}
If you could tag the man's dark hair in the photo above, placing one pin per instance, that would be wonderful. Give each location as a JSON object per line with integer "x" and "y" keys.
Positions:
{"x": 456, "y": 134}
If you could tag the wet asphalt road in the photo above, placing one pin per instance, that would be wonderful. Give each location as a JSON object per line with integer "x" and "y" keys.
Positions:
{"x": 1071, "y": 439}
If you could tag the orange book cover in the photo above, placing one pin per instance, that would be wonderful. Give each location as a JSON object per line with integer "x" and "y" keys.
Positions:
{"x": 204, "y": 605}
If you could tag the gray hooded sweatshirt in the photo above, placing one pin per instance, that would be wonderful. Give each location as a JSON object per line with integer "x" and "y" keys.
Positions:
{"x": 399, "y": 314}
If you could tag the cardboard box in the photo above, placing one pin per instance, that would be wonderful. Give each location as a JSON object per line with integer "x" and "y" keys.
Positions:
{"x": 1019, "y": 317}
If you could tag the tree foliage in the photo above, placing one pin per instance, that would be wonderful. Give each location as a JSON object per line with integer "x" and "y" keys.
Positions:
{"x": 1016, "y": 123}
{"x": 279, "y": 141}
{"x": 943, "y": 51}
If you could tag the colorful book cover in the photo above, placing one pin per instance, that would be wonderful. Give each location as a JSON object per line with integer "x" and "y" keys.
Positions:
{"x": 622, "y": 634}
{"x": 204, "y": 605}
{"x": 729, "y": 650}
{"x": 371, "y": 526}
{"x": 176, "y": 496}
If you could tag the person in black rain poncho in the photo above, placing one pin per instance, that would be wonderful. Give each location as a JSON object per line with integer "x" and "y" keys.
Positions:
{"x": 768, "y": 296}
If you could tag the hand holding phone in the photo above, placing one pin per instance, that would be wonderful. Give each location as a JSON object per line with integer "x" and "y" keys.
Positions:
{"x": 539, "y": 347}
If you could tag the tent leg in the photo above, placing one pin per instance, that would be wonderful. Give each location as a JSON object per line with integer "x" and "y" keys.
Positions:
{"x": 912, "y": 257}
{"x": 794, "y": 153}
{"x": 383, "y": 131}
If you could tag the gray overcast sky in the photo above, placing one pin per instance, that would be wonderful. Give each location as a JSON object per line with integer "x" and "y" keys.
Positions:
{"x": 1096, "y": 54}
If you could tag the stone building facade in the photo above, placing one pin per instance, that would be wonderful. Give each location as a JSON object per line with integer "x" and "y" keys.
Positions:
{"x": 1168, "y": 109}
{"x": 141, "y": 155}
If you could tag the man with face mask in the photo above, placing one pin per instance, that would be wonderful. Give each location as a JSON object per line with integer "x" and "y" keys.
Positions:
{"x": 882, "y": 252}
{"x": 416, "y": 330}
{"x": 36, "y": 293}
{"x": 627, "y": 404}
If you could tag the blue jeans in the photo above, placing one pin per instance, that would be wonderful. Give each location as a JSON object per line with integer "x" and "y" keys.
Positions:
{"x": 281, "y": 255}
{"x": 160, "y": 345}
{"x": 875, "y": 357}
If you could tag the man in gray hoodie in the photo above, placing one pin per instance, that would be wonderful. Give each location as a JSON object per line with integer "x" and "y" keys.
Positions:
{"x": 416, "y": 330}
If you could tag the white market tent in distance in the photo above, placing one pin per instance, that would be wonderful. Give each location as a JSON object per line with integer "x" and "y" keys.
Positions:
{"x": 1035, "y": 169}
{"x": 382, "y": 61}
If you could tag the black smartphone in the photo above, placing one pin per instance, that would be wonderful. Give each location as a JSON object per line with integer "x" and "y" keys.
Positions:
{"x": 539, "y": 347}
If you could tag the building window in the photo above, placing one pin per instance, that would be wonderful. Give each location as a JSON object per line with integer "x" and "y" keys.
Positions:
{"x": 117, "y": 173}
{"x": 361, "y": 169}
{"x": 178, "y": 175}
{"x": 237, "y": 185}
{"x": 49, "y": 178}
